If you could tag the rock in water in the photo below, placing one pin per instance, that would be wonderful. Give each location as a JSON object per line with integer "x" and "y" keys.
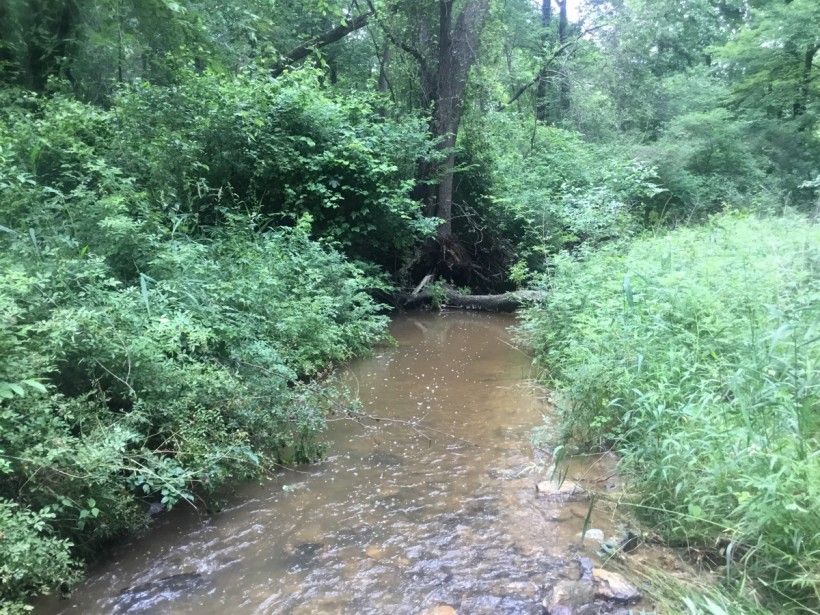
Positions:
{"x": 566, "y": 491}
{"x": 146, "y": 596}
{"x": 593, "y": 534}
{"x": 568, "y": 596}
{"x": 441, "y": 609}
{"x": 612, "y": 586}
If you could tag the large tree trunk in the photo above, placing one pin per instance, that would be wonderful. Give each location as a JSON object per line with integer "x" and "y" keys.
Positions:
{"x": 563, "y": 32}
{"x": 457, "y": 49}
{"x": 443, "y": 80}
{"x": 804, "y": 93}
{"x": 541, "y": 94}
{"x": 505, "y": 302}
{"x": 384, "y": 62}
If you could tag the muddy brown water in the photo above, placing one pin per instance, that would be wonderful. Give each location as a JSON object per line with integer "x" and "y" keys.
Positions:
{"x": 434, "y": 506}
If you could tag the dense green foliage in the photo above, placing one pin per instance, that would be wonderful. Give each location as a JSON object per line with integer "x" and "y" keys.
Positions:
{"x": 143, "y": 361}
{"x": 202, "y": 202}
{"x": 549, "y": 190}
{"x": 693, "y": 353}
{"x": 279, "y": 149}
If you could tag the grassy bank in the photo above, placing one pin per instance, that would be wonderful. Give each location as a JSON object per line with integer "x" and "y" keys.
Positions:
{"x": 694, "y": 354}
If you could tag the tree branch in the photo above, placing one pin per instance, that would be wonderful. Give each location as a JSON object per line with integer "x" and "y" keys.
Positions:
{"x": 331, "y": 36}
{"x": 409, "y": 49}
{"x": 520, "y": 92}
{"x": 555, "y": 54}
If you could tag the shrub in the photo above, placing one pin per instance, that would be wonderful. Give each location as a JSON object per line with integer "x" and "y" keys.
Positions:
{"x": 142, "y": 364}
{"x": 694, "y": 353}
{"x": 544, "y": 189}
{"x": 31, "y": 559}
{"x": 704, "y": 160}
{"x": 279, "y": 149}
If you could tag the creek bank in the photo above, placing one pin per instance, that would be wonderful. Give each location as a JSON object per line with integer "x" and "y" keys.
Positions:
{"x": 432, "y": 504}
{"x": 586, "y": 587}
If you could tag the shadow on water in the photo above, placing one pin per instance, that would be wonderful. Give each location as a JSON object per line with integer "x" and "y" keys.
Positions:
{"x": 396, "y": 520}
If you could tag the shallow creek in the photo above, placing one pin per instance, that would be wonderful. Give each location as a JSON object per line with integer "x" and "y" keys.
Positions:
{"x": 436, "y": 505}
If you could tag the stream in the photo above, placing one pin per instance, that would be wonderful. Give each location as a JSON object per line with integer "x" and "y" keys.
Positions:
{"x": 433, "y": 509}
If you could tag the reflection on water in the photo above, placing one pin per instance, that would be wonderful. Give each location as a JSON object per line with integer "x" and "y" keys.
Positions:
{"x": 435, "y": 505}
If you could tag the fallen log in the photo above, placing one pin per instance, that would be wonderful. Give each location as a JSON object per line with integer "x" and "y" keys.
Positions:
{"x": 424, "y": 282}
{"x": 451, "y": 298}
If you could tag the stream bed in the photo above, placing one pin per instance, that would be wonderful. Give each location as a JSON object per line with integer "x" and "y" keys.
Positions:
{"x": 432, "y": 509}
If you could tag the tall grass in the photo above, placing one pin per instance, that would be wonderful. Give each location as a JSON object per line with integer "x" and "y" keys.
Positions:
{"x": 695, "y": 354}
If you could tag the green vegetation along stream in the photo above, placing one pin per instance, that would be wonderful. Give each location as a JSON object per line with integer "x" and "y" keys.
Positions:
{"x": 434, "y": 505}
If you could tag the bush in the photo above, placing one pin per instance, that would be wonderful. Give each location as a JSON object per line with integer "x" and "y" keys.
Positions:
{"x": 695, "y": 354}
{"x": 279, "y": 149}
{"x": 31, "y": 560}
{"x": 142, "y": 364}
{"x": 544, "y": 189}
{"x": 704, "y": 161}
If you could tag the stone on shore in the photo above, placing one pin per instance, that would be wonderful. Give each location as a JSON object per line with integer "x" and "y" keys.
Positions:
{"x": 593, "y": 534}
{"x": 612, "y": 586}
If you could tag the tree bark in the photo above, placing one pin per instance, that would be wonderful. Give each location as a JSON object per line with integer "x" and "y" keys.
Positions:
{"x": 384, "y": 61}
{"x": 563, "y": 87}
{"x": 457, "y": 50}
{"x": 541, "y": 94}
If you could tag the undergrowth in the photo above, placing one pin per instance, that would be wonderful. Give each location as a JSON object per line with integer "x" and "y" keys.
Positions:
{"x": 694, "y": 354}
{"x": 147, "y": 358}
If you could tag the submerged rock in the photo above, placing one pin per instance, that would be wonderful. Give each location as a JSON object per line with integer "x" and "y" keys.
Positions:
{"x": 558, "y": 516}
{"x": 302, "y": 555}
{"x": 612, "y": 586}
{"x": 508, "y": 473}
{"x": 441, "y": 609}
{"x": 383, "y": 459}
{"x": 156, "y": 509}
{"x": 147, "y": 596}
{"x": 566, "y": 491}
